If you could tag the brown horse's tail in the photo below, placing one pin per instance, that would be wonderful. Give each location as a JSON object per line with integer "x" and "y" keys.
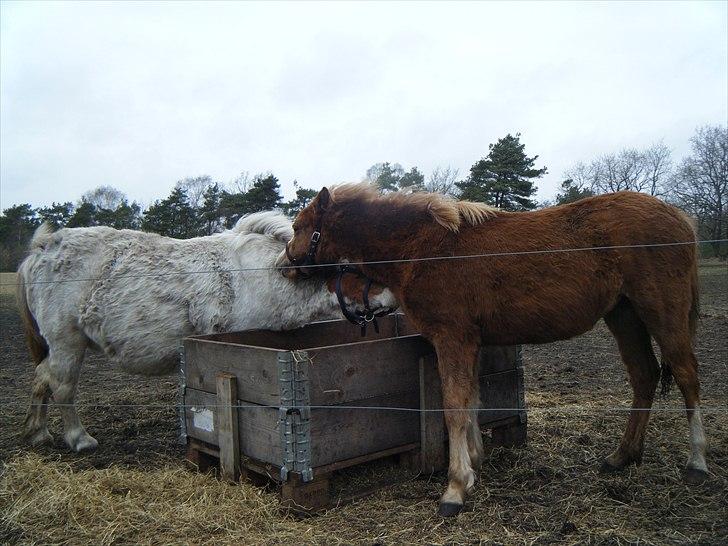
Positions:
{"x": 693, "y": 315}
{"x": 37, "y": 346}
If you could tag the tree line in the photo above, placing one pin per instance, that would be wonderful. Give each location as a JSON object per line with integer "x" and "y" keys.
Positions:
{"x": 505, "y": 177}
{"x": 698, "y": 183}
{"x": 195, "y": 207}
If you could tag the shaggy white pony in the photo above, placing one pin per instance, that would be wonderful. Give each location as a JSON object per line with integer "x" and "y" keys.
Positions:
{"x": 135, "y": 295}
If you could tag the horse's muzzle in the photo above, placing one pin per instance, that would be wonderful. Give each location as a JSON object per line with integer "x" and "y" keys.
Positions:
{"x": 284, "y": 265}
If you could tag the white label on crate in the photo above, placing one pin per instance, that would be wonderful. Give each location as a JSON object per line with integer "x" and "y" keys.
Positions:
{"x": 203, "y": 419}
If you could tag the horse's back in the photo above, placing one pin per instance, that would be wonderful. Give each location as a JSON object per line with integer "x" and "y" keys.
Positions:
{"x": 553, "y": 273}
{"x": 132, "y": 294}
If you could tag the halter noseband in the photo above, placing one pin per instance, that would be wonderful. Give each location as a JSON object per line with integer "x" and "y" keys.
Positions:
{"x": 360, "y": 318}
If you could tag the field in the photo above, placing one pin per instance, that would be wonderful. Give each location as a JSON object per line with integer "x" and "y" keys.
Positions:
{"x": 6, "y": 283}
{"x": 137, "y": 489}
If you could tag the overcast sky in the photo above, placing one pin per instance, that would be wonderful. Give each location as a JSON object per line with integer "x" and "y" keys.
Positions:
{"x": 139, "y": 96}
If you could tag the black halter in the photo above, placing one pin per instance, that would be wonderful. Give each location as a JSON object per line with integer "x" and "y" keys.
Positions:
{"x": 360, "y": 318}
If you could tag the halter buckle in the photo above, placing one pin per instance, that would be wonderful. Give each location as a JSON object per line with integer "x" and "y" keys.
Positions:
{"x": 315, "y": 236}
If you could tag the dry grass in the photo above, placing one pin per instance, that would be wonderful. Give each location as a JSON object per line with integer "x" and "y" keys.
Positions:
{"x": 548, "y": 492}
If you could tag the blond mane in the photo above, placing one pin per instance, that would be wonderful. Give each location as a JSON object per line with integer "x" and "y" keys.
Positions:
{"x": 446, "y": 211}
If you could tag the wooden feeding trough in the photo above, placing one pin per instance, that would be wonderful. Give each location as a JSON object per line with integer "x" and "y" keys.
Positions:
{"x": 296, "y": 406}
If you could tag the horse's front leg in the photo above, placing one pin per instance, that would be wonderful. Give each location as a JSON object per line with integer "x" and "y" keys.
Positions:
{"x": 457, "y": 361}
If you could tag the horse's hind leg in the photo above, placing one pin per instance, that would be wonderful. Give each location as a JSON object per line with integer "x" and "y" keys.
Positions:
{"x": 36, "y": 421}
{"x": 635, "y": 348}
{"x": 64, "y": 366}
{"x": 677, "y": 352}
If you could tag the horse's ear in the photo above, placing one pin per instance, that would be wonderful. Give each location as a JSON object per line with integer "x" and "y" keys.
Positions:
{"x": 323, "y": 199}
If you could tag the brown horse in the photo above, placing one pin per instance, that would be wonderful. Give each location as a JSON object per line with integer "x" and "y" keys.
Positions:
{"x": 520, "y": 294}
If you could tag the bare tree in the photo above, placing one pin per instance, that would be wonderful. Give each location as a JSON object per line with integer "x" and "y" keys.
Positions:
{"x": 630, "y": 169}
{"x": 442, "y": 180}
{"x": 104, "y": 197}
{"x": 701, "y": 182}
{"x": 618, "y": 172}
{"x": 242, "y": 183}
{"x": 194, "y": 188}
{"x": 581, "y": 176}
{"x": 658, "y": 168}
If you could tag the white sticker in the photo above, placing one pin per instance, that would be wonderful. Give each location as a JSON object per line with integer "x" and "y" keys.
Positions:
{"x": 203, "y": 419}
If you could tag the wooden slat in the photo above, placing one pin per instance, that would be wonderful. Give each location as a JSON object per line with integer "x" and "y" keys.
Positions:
{"x": 257, "y": 427}
{"x": 495, "y": 359}
{"x": 332, "y": 467}
{"x": 197, "y": 402}
{"x": 226, "y": 423}
{"x": 512, "y": 435}
{"x": 499, "y": 390}
{"x": 338, "y": 434}
{"x": 432, "y": 423}
{"x": 352, "y": 372}
{"x": 255, "y": 369}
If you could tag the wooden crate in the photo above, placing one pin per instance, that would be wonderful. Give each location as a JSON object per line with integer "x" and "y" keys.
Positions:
{"x": 293, "y": 406}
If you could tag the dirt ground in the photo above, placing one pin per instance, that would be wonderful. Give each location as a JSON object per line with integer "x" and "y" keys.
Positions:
{"x": 136, "y": 488}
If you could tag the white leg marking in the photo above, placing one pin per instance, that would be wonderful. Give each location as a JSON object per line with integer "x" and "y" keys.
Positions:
{"x": 461, "y": 474}
{"x": 698, "y": 441}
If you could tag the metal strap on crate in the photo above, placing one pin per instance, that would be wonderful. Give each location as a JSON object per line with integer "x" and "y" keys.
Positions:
{"x": 294, "y": 415}
{"x": 181, "y": 397}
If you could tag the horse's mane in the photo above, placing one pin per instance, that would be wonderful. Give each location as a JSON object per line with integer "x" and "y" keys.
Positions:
{"x": 446, "y": 211}
{"x": 272, "y": 223}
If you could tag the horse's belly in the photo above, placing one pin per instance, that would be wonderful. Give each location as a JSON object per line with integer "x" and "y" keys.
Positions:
{"x": 511, "y": 326}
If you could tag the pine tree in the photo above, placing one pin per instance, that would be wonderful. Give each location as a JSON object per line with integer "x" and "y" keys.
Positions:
{"x": 57, "y": 215}
{"x": 17, "y": 224}
{"x": 83, "y": 216}
{"x": 303, "y": 197}
{"x": 504, "y": 178}
{"x": 209, "y": 212}
{"x": 571, "y": 191}
{"x": 264, "y": 195}
{"x": 413, "y": 179}
{"x": 173, "y": 217}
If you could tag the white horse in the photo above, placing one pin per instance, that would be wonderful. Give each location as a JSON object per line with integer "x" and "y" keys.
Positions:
{"x": 135, "y": 295}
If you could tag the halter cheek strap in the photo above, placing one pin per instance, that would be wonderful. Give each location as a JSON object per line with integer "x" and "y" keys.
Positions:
{"x": 310, "y": 257}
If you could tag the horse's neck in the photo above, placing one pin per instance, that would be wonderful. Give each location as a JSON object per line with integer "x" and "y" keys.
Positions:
{"x": 383, "y": 237}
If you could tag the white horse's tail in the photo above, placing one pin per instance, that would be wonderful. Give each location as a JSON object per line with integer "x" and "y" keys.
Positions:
{"x": 37, "y": 346}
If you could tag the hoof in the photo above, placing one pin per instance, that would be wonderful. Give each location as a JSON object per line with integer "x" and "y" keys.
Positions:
{"x": 695, "y": 476}
{"x": 609, "y": 468}
{"x": 82, "y": 442}
{"x": 39, "y": 437}
{"x": 449, "y": 509}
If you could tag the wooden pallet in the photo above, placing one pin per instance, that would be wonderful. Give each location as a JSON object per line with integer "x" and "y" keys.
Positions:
{"x": 292, "y": 408}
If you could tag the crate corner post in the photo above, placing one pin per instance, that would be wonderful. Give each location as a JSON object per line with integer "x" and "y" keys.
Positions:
{"x": 226, "y": 423}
